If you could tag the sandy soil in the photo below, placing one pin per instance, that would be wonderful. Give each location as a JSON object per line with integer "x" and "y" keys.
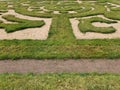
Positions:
{"x": 30, "y": 9}
{"x": 92, "y": 8}
{"x": 115, "y": 5}
{"x": 79, "y": 1}
{"x": 10, "y": 6}
{"x": 108, "y": 9}
{"x": 56, "y": 12}
{"x": 24, "y": 4}
{"x": 30, "y": 33}
{"x": 72, "y": 12}
{"x": 4, "y": 20}
{"x": 58, "y": 3}
{"x": 43, "y": 8}
{"x": 58, "y": 66}
{"x": 92, "y": 35}
{"x": 83, "y": 7}
{"x": 9, "y": 3}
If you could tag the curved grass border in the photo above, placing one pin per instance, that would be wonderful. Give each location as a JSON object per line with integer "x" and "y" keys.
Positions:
{"x": 85, "y": 25}
{"x": 20, "y": 24}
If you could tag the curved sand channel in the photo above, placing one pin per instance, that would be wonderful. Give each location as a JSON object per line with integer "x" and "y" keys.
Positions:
{"x": 93, "y": 35}
{"x": 30, "y": 33}
{"x": 115, "y": 5}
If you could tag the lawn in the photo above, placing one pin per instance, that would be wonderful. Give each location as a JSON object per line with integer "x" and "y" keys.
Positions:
{"x": 63, "y": 81}
{"x": 61, "y": 42}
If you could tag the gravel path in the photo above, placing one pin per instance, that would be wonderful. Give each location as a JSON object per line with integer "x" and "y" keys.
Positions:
{"x": 54, "y": 66}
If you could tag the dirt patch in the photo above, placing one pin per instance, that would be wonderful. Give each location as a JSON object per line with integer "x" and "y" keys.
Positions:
{"x": 24, "y": 4}
{"x": 58, "y": 66}
{"x": 56, "y": 12}
{"x": 30, "y": 9}
{"x": 93, "y": 35}
{"x": 79, "y": 1}
{"x": 92, "y": 9}
{"x": 112, "y": 4}
{"x": 43, "y": 8}
{"x": 108, "y": 9}
{"x": 72, "y": 12}
{"x": 30, "y": 33}
{"x": 10, "y": 6}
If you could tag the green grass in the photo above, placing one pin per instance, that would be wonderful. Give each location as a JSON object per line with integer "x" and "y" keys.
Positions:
{"x": 85, "y": 25}
{"x": 61, "y": 28}
{"x": 59, "y": 49}
{"x": 1, "y": 21}
{"x": 65, "y": 81}
{"x": 3, "y": 7}
{"x": 61, "y": 42}
{"x": 20, "y": 24}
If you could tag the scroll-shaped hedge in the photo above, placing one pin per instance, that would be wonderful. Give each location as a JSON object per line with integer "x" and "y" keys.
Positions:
{"x": 85, "y": 25}
{"x": 20, "y": 23}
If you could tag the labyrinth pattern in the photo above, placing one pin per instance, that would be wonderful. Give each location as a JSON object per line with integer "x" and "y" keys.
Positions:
{"x": 25, "y": 19}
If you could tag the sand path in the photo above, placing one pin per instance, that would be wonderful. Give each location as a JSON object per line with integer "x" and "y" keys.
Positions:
{"x": 72, "y": 12}
{"x": 30, "y": 33}
{"x": 112, "y": 4}
{"x": 79, "y": 1}
{"x": 59, "y": 66}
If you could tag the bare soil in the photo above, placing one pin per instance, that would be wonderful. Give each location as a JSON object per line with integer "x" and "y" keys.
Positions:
{"x": 60, "y": 66}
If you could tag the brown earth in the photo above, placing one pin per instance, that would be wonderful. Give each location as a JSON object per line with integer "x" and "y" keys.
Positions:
{"x": 60, "y": 66}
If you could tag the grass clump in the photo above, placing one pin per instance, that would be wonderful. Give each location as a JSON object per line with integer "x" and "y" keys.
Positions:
{"x": 85, "y": 25}
{"x": 20, "y": 24}
{"x": 3, "y": 7}
{"x": 1, "y": 21}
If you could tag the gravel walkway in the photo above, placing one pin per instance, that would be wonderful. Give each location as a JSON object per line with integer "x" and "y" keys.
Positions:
{"x": 58, "y": 66}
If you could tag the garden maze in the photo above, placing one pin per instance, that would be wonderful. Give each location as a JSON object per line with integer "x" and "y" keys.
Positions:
{"x": 48, "y": 19}
{"x": 62, "y": 41}
{"x": 59, "y": 29}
